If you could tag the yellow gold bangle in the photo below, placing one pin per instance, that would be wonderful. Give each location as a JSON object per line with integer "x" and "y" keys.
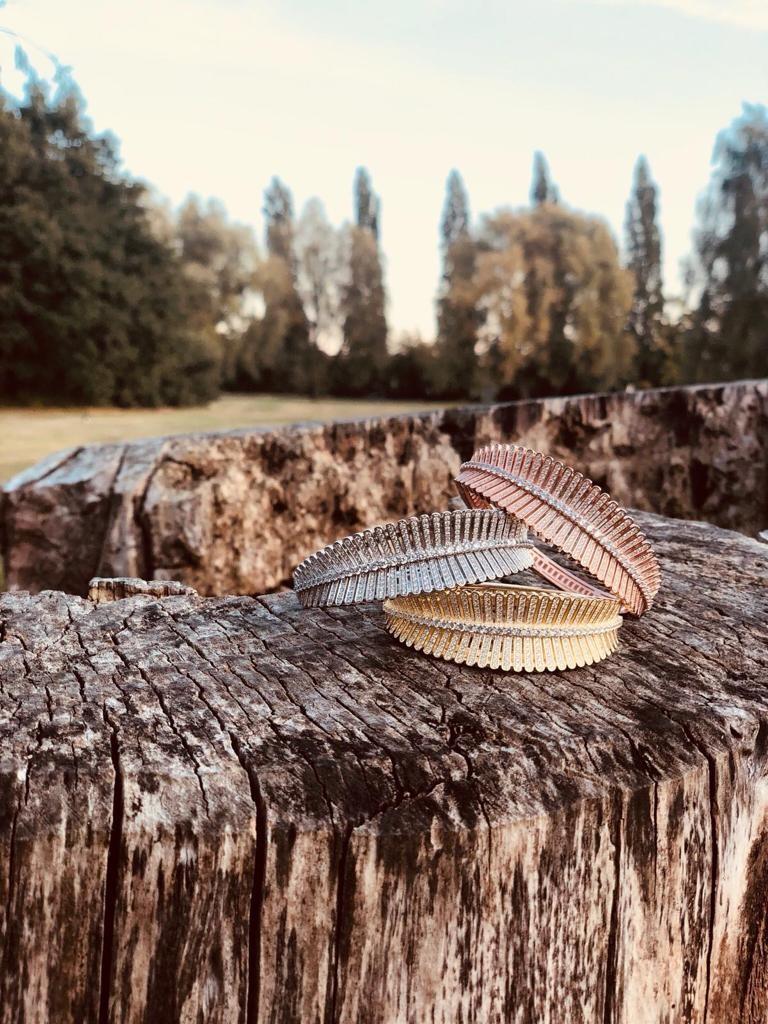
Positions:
{"x": 500, "y": 626}
{"x": 568, "y": 511}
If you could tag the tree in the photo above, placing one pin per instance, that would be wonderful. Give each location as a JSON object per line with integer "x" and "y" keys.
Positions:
{"x": 318, "y": 258}
{"x": 277, "y": 353}
{"x": 411, "y": 369}
{"x": 220, "y": 256}
{"x": 730, "y": 264}
{"x": 542, "y": 188}
{"x": 454, "y": 224}
{"x": 362, "y": 359}
{"x": 367, "y": 205}
{"x": 278, "y": 216}
{"x": 555, "y": 302}
{"x": 643, "y": 247}
{"x": 221, "y": 260}
{"x": 457, "y": 315}
{"x": 94, "y": 309}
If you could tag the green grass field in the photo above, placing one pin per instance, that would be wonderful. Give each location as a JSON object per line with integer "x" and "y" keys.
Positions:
{"x": 26, "y": 435}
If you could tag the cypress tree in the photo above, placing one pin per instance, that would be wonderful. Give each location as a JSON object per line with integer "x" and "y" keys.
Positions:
{"x": 361, "y": 362}
{"x": 457, "y": 315}
{"x": 542, "y": 188}
{"x": 367, "y": 204}
{"x": 454, "y": 224}
{"x": 643, "y": 250}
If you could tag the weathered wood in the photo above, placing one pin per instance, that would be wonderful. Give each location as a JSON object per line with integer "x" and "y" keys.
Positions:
{"x": 102, "y": 590}
{"x": 234, "y": 512}
{"x": 231, "y": 810}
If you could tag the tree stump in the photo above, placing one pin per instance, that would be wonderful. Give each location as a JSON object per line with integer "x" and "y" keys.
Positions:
{"x": 230, "y": 809}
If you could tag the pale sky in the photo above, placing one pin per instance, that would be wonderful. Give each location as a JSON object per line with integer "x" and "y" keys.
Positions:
{"x": 216, "y": 96}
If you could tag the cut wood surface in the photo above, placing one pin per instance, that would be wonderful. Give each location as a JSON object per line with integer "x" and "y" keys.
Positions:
{"x": 235, "y": 810}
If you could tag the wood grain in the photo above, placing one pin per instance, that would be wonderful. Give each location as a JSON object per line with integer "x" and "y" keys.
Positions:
{"x": 236, "y": 810}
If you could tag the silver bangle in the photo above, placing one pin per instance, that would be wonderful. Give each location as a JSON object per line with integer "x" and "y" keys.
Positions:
{"x": 435, "y": 551}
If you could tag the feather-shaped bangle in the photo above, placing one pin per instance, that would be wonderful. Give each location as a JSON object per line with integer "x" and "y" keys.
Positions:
{"x": 417, "y": 555}
{"x": 500, "y": 626}
{"x": 569, "y": 512}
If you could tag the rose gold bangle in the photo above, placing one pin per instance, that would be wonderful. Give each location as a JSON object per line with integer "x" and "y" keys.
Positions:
{"x": 568, "y": 511}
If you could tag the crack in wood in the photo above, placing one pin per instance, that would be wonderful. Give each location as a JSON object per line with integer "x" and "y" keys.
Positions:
{"x": 714, "y": 860}
{"x": 611, "y": 1005}
{"x": 112, "y": 875}
{"x": 333, "y": 1008}
{"x": 258, "y": 888}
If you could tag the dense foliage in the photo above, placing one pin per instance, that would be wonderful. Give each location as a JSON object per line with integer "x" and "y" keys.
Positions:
{"x": 554, "y": 302}
{"x": 108, "y": 297}
{"x": 728, "y": 334}
{"x": 94, "y": 308}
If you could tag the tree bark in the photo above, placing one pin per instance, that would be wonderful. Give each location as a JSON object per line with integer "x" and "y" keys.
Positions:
{"x": 235, "y": 810}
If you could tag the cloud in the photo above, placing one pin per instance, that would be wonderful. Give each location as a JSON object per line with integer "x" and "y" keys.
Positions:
{"x": 749, "y": 14}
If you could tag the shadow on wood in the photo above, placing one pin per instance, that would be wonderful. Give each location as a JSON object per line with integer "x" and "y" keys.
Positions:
{"x": 231, "y": 810}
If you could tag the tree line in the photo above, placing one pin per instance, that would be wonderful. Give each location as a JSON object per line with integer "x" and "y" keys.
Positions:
{"x": 109, "y": 297}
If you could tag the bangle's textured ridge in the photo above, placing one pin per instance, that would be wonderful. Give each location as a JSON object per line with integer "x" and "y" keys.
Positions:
{"x": 430, "y": 552}
{"x": 569, "y": 512}
{"x": 499, "y": 626}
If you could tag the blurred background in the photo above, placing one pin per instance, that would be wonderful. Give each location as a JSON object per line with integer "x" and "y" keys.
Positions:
{"x": 231, "y": 213}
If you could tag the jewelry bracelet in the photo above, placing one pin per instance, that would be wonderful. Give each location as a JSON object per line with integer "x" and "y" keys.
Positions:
{"x": 568, "y": 511}
{"x": 429, "y": 552}
{"x": 501, "y": 626}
